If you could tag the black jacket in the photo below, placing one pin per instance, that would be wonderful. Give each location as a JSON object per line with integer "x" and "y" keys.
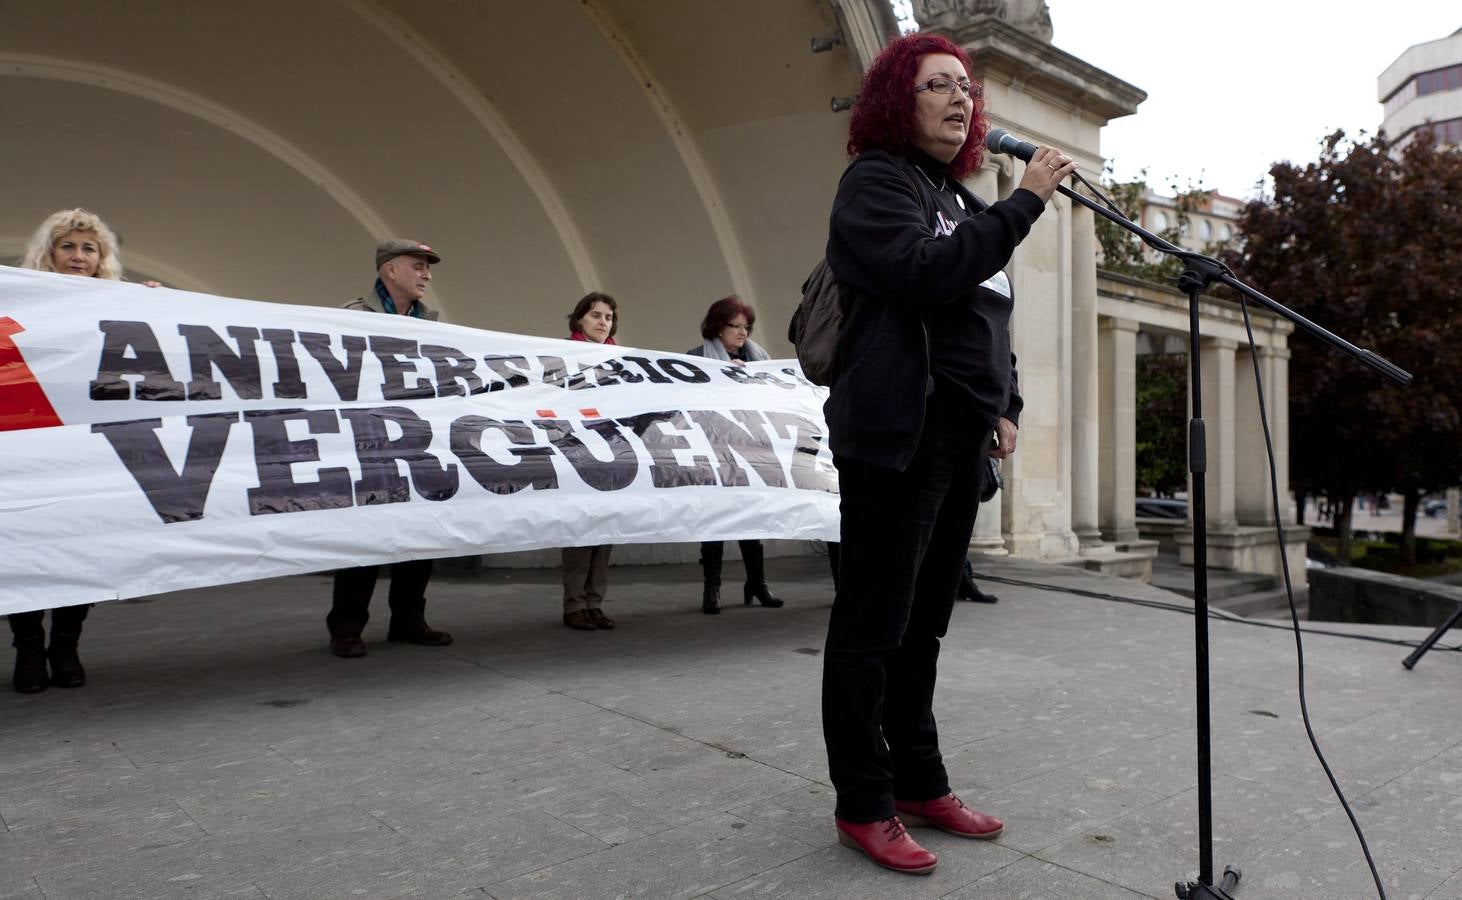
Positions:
{"x": 906, "y": 261}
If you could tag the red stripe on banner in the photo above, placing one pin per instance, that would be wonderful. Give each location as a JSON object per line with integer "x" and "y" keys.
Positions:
{"x": 589, "y": 412}
{"x": 23, "y": 403}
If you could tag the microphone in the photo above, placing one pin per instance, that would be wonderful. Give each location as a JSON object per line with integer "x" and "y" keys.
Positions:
{"x": 1002, "y": 141}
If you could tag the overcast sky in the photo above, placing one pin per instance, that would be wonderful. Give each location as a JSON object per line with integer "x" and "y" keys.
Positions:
{"x": 1234, "y": 86}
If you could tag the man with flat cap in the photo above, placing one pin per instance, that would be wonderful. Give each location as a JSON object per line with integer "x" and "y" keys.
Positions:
{"x": 403, "y": 271}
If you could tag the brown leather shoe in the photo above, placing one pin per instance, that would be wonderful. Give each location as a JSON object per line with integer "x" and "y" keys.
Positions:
{"x": 579, "y": 620}
{"x": 348, "y": 646}
{"x": 949, "y": 813}
{"x": 887, "y": 843}
{"x": 422, "y": 634}
{"x": 600, "y": 620}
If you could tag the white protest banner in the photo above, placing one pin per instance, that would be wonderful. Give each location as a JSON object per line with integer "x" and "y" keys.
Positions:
{"x": 154, "y": 440}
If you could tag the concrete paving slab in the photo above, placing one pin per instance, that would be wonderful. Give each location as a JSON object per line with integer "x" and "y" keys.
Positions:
{"x": 1032, "y": 879}
{"x": 221, "y": 751}
{"x": 686, "y": 862}
{"x": 829, "y": 874}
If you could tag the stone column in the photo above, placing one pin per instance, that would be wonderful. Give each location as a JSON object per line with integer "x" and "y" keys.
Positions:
{"x": 1085, "y": 418}
{"x": 1275, "y": 363}
{"x": 1217, "y": 358}
{"x": 1253, "y": 504}
{"x": 1038, "y": 514}
{"x": 989, "y": 537}
{"x": 1117, "y": 428}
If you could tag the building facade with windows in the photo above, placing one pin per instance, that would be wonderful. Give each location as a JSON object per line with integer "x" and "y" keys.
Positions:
{"x": 1423, "y": 89}
{"x": 1213, "y": 222}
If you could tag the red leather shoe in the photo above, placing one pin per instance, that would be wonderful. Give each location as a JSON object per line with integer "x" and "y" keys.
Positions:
{"x": 949, "y": 813}
{"x": 887, "y": 843}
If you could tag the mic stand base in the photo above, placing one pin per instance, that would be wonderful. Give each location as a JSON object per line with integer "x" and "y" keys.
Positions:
{"x": 1197, "y": 890}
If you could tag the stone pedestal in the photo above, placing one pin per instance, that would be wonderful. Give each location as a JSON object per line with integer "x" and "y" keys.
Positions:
{"x": 1250, "y": 548}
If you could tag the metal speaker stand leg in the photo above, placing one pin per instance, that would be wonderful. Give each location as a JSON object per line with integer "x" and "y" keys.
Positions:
{"x": 1410, "y": 661}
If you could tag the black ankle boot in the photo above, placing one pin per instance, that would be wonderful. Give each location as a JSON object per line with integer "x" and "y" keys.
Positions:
{"x": 711, "y": 599}
{"x": 30, "y": 665}
{"x": 711, "y": 571}
{"x": 754, "y": 556}
{"x": 66, "y": 670}
{"x": 762, "y": 594}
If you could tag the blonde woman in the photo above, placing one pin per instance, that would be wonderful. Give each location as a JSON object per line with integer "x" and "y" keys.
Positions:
{"x": 70, "y": 242}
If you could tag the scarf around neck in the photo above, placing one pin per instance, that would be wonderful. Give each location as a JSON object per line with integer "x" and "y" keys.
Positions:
{"x": 389, "y": 305}
{"x": 712, "y": 348}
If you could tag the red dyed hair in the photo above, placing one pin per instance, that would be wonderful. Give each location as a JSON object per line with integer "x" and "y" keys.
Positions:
{"x": 883, "y": 117}
{"x": 722, "y": 312}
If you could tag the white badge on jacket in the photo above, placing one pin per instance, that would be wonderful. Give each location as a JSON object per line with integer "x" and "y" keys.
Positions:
{"x": 999, "y": 283}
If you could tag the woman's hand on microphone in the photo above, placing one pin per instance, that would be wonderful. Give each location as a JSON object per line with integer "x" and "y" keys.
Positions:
{"x": 1048, "y": 167}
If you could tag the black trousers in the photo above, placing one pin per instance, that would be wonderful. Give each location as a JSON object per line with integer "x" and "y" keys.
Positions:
{"x": 64, "y": 620}
{"x": 351, "y": 598}
{"x": 905, "y": 536}
{"x": 752, "y": 557}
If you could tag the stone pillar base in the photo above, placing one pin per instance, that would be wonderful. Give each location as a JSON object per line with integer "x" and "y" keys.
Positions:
{"x": 990, "y": 546}
{"x": 1130, "y": 559}
{"x": 1249, "y": 548}
{"x": 1047, "y": 545}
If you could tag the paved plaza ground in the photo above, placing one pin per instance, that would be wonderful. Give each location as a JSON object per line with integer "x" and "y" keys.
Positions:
{"x": 221, "y": 751}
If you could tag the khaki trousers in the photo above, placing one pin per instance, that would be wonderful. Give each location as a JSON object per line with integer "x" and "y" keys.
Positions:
{"x": 585, "y": 576}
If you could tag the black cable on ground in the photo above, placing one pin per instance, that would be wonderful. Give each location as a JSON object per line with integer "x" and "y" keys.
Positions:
{"x": 1293, "y": 612}
{"x": 1217, "y": 614}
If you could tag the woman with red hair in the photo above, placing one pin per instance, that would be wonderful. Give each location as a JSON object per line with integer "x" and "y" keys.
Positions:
{"x": 726, "y": 335}
{"x": 926, "y": 389}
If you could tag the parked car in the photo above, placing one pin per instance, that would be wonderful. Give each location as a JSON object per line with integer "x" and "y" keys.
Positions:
{"x": 1435, "y": 507}
{"x": 1161, "y": 508}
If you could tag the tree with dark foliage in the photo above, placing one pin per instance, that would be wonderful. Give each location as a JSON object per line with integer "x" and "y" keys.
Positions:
{"x": 1367, "y": 242}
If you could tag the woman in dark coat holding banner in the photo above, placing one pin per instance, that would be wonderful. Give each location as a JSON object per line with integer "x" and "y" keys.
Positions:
{"x": 726, "y": 335}
{"x": 595, "y": 319}
{"x": 71, "y": 242}
{"x": 926, "y": 381}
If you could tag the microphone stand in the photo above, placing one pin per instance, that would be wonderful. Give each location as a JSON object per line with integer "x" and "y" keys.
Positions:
{"x": 1200, "y": 273}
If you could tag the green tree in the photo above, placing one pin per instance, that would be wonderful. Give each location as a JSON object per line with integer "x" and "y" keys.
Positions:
{"x": 1367, "y": 242}
{"x": 1162, "y": 414}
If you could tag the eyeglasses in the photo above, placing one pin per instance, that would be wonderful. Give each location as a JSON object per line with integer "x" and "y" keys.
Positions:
{"x": 972, "y": 89}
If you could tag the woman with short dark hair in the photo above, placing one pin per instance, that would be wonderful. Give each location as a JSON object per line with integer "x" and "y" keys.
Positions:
{"x": 595, "y": 318}
{"x": 926, "y": 380}
{"x": 726, "y": 335}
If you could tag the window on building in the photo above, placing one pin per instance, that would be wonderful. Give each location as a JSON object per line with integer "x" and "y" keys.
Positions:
{"x": 1225, "y": 233}
{"x": 1448, "y": 131}
{"x": 1444, "y": 79}
{"x": 1436, "y": 80}
{"x": 1205, "y": 230}
{"x": 1159, "y": 221}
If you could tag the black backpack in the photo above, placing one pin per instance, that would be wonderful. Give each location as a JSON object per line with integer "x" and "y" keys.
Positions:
{"x": 818, "y": 318}
{"x": 815, "y": 325}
